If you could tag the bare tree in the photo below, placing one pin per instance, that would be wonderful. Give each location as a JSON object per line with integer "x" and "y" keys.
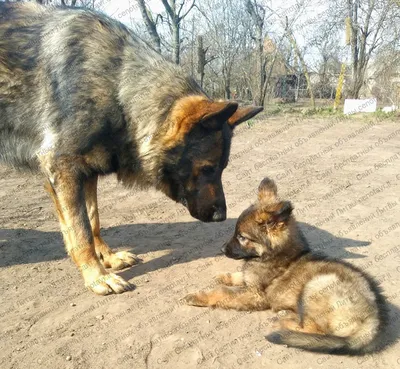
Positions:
{"x": 299, "y": 9}
{"x": 368, "y": 20}
{"x": 151, "y": 24}
{"x": 202, "y": 59}
{"x": 225, "y": 33}
{"x": 328, "y": 65}
{"x": 302, "y": 62}
{"x": 176, "y": 14}
{"x": 257, "y": 14}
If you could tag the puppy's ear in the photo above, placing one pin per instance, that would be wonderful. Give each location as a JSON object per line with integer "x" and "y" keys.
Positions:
{"x": 283, "y": 213}
{"x": 279, "y": 214}
{"x": 244, "y": 113}
{"x": 267, "y": 191}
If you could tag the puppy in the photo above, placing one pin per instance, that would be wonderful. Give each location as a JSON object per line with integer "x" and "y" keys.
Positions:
{"x": 326, "y": 305}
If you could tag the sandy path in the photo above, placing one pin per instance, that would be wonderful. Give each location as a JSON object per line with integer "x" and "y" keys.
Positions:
{"x": 343, "y": 178}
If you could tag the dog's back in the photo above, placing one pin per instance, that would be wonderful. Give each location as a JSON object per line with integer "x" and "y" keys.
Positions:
{"x": 70, "y": 78}
{"x": 44, "y": 56}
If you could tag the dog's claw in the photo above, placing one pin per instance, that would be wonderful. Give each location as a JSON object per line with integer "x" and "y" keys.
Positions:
{"x": 110, "y": 283}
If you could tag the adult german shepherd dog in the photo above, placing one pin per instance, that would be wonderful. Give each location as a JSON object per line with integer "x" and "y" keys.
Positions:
{"x": 82, "y": 96}
{"x": 328, "y": 305}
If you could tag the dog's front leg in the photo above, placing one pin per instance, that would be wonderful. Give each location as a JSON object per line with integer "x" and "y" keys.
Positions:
{"x": 118, "y": 260}
{"x": 238, "y": 298}
{"x": 231, "y": 279}
{"x": 67, "y": 191}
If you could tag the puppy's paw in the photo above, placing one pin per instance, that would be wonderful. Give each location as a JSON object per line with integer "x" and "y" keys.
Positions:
{"x": 224, "y": 278}
{"x": 196, "y": 299}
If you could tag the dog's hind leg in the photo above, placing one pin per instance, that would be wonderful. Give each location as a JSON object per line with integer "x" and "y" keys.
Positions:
{"x": 292, "y": 322}
{"x": 67, "y": 191}
{"x": 118, "y": 260}
{"x": 238, "y": 298}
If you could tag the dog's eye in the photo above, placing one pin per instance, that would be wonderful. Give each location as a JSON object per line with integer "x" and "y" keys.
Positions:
{"x": 208, "y": 170}
{"x": 241, "y": 238}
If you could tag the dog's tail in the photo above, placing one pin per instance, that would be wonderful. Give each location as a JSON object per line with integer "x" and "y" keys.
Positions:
{"x": 309, "y": 341}
{"x": 322, "y": 343}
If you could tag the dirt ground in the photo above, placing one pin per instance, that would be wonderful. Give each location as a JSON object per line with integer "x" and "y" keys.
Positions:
{"x": 343, "y": 178}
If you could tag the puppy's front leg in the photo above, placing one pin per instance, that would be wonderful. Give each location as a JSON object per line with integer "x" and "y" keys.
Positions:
{"x": 238, "y": 298}
{"x": 231, "y": 279}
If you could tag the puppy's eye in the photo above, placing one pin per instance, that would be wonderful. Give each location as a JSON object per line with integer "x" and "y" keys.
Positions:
{"x": 241, "y": 238}
{"x": 208, "y": 170}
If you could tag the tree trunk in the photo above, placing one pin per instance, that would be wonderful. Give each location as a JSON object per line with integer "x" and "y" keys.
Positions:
{"x": 257, "y": 13}
{"x": 271, "y": 68}
{"x": 227, "y": 89}
{"x": 150, "y": 25}
{"x": 261, "y": 71}
{"x": 353, "y": 14}
{"x": 227, "y": 82}
{"x": 201, "y": 59}
{"x": 176, "y": 42}
{"x": 357, "y": 84}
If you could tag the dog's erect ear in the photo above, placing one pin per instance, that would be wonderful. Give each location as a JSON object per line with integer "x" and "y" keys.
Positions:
{"x": 280, "y": 214}
{"x": 267, "y": 191}
{"x": 190, "y": 111}
{"x": 244, "y": 113}
{"x": 218, "y": 113}
{"x": 283, "y": 213}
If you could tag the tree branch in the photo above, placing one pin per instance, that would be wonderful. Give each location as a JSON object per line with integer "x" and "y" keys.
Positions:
{"x": 168, "y": 9}
{"x": 150, "y": 24}
{"x": 187, "y": 12}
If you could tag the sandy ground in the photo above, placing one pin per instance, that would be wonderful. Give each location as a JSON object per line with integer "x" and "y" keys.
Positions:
{"x": 343, "y": 178}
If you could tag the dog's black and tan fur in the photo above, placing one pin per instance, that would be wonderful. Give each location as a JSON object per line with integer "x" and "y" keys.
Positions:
{"x": 82, "y": 96}
{"x": 329, "y": 305}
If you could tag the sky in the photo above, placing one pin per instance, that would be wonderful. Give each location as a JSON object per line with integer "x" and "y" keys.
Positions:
{"x": 126, "y": 10}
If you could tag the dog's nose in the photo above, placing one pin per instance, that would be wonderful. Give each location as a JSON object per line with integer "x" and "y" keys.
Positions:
{"x": 219, "y": 215}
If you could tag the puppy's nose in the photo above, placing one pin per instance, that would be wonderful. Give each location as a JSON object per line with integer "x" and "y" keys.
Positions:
{"x": 223, "y": 249}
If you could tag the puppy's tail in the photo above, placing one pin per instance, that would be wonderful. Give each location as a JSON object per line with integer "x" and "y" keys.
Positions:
{"x": 315, "y": 342}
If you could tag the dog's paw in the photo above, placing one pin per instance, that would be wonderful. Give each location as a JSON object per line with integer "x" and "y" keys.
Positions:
{"x": 224, "y": 278}
{"x": 196, "y": 299}
{"x": 108, "y": 283}
{"x": 120, "y": 260}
